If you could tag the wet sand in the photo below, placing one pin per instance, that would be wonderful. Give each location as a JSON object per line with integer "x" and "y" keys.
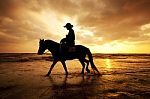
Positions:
{"x": 121, "y": 79}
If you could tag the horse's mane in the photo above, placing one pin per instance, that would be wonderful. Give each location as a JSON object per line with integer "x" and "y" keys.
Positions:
{"x": 51, "y": 42}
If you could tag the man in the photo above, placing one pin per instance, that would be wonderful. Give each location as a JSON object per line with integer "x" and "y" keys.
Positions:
{"x": 69, "y": 41}
{"x": 70, "y": 37}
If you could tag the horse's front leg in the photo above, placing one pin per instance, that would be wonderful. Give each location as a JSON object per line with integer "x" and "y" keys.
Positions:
{"x": 65, "y": 68}
{"x": 53, "y": 64}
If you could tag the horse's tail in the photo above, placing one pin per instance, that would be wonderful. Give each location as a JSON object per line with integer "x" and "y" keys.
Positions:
{"x": 91, "y": 60}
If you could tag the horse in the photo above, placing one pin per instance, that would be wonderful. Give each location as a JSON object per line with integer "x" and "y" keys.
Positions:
{"x": 80, "y": 53}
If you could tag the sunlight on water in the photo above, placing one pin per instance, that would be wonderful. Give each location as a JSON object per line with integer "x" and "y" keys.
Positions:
{"x": 108, "y": 63}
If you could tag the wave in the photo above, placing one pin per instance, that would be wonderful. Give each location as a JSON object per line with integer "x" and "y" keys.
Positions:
{"x": 23, "y": 57}
{"x": 122, "y": 56}
{"x": 26, "y": 57}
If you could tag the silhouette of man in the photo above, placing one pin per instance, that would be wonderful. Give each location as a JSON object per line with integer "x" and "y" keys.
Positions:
{"x": 70, "y": 37}
{"x": 69, "y": 41}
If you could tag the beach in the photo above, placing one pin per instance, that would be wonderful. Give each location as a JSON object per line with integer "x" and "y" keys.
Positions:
{"x": 124, "y": 76}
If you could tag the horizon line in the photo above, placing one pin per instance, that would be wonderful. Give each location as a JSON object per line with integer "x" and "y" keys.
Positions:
{"x": 50, "y": 53}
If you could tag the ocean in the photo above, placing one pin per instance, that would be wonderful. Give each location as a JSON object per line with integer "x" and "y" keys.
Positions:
{"x": 107, "y": 63}
{"x": 124, "y": 76}
{"x": 22, "y": 57}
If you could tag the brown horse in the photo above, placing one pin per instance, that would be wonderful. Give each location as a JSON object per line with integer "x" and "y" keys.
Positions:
{"x": 80, "y": 53}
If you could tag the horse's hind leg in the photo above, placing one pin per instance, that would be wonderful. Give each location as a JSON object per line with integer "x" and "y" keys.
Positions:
{"x": 83, "y": 66}
{"x": 87, "y": 62}
{"x": 95, "y": 69}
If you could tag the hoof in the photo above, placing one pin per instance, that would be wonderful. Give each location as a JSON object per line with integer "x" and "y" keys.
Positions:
{"x": 46, "y": 75}
{"x": 66, "y": 73}
{"x": 88, "y": 71}
{"x": 99, "y": 74}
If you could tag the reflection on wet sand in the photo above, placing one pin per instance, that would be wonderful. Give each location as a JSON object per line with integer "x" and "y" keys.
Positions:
{"x": 72, "y": 86}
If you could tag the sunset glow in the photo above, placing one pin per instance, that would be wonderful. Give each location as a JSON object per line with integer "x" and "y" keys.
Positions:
{"x": 105, "y": 26}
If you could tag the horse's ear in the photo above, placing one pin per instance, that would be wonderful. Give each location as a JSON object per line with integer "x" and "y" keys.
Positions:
{"x": 41, "y": 39}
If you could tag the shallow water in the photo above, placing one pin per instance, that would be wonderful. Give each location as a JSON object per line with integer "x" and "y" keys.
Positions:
{"x": 124, "y": 76}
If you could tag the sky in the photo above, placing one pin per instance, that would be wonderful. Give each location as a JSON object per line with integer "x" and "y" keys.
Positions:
{"x": 104, "y": 26}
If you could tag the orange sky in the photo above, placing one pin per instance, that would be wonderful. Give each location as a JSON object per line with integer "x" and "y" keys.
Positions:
{"x": 105, "y": 26}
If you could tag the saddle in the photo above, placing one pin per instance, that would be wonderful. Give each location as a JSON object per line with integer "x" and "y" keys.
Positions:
{"x": 68, "y": 49}
{"x": 72, "y": 49}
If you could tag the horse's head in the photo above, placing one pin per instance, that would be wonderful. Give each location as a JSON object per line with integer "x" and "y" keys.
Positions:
{"x": 42, "y": 47}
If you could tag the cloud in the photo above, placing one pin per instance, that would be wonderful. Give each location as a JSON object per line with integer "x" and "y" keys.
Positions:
{"x": 111, "y": 18}
{"x": 107, "y": 20}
